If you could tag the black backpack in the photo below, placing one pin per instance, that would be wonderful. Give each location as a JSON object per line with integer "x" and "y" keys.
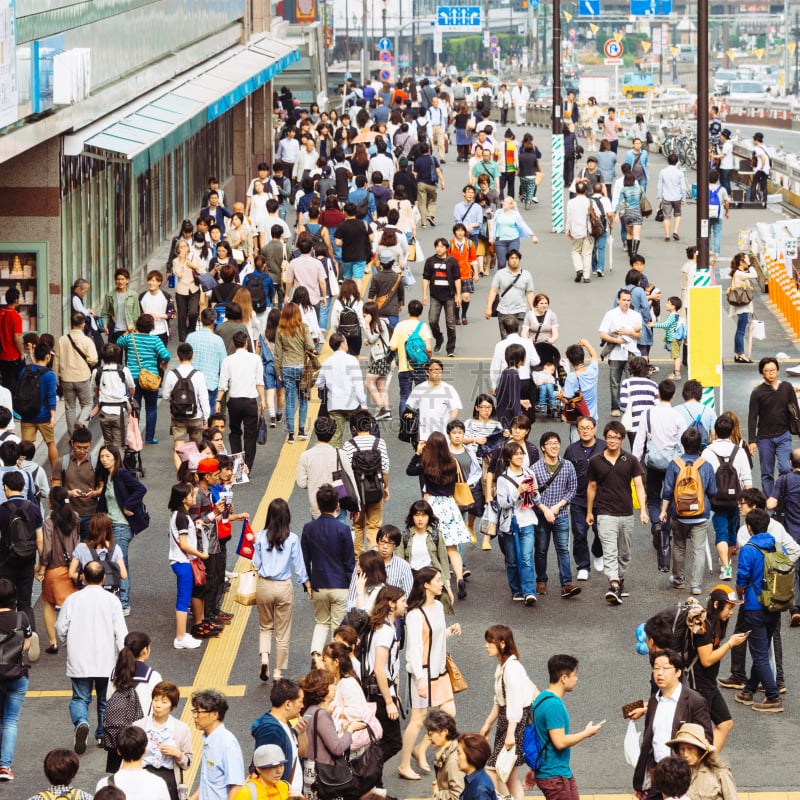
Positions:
{"x": 111, "y": 580}
{"x": 183, "y": 399}
{"x": 729, "y": 487}
{"x": 368, "y": 472}
{"x": 28, "y": 392}
{"x": 348, "y": 322}
{"x": 316, "y": 236}
{"x": 258, "y": 294}
{"x": 12, "y": 651}
{"x": 20, "y": 536}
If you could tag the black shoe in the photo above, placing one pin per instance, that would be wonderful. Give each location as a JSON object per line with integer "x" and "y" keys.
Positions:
{"x": 264, "y": 673}
{"x": 462, "y": 590}
{"x": 52, "y": 650}
{"x": 578, "y": 277}
{"x": 614, "y": 595}
{"x": 81, "y": 735}
{"x": 438, "y": 345}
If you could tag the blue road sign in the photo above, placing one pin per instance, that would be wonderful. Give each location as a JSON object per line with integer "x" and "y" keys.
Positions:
{"x": 459, "y": 16}
{"x": 385, "y": 43}
{"x": 590, "y": 8}
{"x": 650, "y": 8}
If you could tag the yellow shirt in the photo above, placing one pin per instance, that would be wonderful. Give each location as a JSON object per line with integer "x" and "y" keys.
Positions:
{"x": 280, "y": 791}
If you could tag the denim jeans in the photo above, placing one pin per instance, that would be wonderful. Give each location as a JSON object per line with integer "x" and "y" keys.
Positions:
{"x": 501, "y": 247}
{"x": 12, "y": 695}
{"x": 122, "y": 537}
{"x": 580, "y": 536}
{"x": 599, "y": 253}
{"x": 82, "y": 699}
{"x": 407, "y": 381}
{"x": 559, "y": 529}
{"x": 291, "y": 383}
{"x": 742, "y": 321}
{"x": 519, "y": 561}
{"x": 715, "y": 229}
{"x": 778, "y": 447}
{"x": 150, "y": 400}
{"x": 616, "y": 369}
{"x": 435, "y": 314}
{"x": 546, "y": 395}
{"x": 761, "y": 624}
{"x": 212, "y": 398}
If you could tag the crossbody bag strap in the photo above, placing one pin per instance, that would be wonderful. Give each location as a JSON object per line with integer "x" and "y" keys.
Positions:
{"x": 511, "y": 285}
{"x": 136, "y": 351}
{"x": 78, "y": 350}
{"x": 467, "y": 211}
{"x": 546, "y": 485}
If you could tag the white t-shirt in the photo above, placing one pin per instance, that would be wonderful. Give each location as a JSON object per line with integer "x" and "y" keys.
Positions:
{"x": 435, "y": 406}
{"x": 386, "y": 636}
{"x": 615, "y": 319}
{"x": 155, "y": 304}
{"x": 180, "y": 522}
{"x": 138, "y": 785}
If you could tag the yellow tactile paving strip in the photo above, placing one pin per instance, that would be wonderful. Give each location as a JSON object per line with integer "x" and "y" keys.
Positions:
{"x": 741, "y": 795}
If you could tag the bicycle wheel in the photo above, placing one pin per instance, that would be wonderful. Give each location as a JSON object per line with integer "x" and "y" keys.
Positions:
{"x": 680, "y": 149}
{"x": 691, "y": 155}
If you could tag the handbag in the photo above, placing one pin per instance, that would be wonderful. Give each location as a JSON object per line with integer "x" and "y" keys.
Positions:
{"x": 246, "y": 590}
{"x": 409, "y": 426}
{"x": 659, "y": 215}
{"x": 341, "y": 481}
{"x": 462, "y": 494}
{"x": 198, "y": 571}
{"x": 336, "y": 779}
{"x": 645, "y": 205}
{"x": 133, "y": 436}
{"x": 311, "y": 368}
{"x": 284, "y": 267}
{"x": 412, "y": 252}
{"x": 368, "y": 766}
{"x": 794, "y": 418}
{"x": 457, "y": 679}
{"x": 575, "y": 408}
{"x": 758, "y": 329}
{"x": 505, "y": 763}
{"x": 740, "y": 295}
{"x": 539, "y": 177}
{"x": 408, "y": 275}
{"x": 207, "y": 281}
{"x": 148, "y": 381}
{"x": 261, "y": 434}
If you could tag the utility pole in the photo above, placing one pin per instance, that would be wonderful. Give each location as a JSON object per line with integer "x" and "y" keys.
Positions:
{"x": 557, "y": 177}
{"x": 796, "y": 34}
{"x": 702, "y": 135}
{"x": 364, "y": 45}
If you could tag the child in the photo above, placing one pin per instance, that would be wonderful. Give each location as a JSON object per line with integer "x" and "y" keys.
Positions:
{"x": 672, "y": 777}
{"x": 545, "y": 380}
{"x": 675, "y": 336}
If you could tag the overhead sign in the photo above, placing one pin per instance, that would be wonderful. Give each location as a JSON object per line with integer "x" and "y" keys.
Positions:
{"x": 612, "y": 48}
{"x": 651, "y": 8}
{"x": 589, "y": 8}
{"x": 459, "y": 17}
{"x": 385, "y": 43}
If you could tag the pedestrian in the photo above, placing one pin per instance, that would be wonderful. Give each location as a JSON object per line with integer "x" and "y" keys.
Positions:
{"x": 440, "y": 728}
{"x": 514, "y": 692}
{"x": 342, "y": 384}
{"x": 671, "y": 778}
{"x": 128, "y": 774}
{"x": 222, "y": 766}
{"x": 554, "y": 777}
{"x": 611, "y": 129}
{"x": 61, "y": 766}
{"x": 674, "y": 336}
{"x": 12, "y": 349}
{"x": 121, "y": 305}
{"x": 726, "y": 163}
{"x": 277, "y": 555}
{"x": 638, "y": 158}
{"x": 441, "y": 281}
{"x": 92, "y": 628}
{"x": 506, "y": 227}
{"x": 377, "y": 333}
{"x": 637, "y": 393}
{"x": 509, "y": 162}
{"x": 609, "y": 499}
{"x": 436, "y": 401}
{"x": 99, "y": 546}
{"x": 630, "y": 198}
{"x": 620, "y": 327}
{"x": 76, "y": 473}
{"x": 672, "y": 194}
{"x": 718, "y": 209}
{"x": 186, "y": 391}
{"x": 578, "y": 232}
{"x": 464, "y": 251}
{"x": 114, "y": 388}
{"x": 606, "y": 166}
{"x": 426, "y": 651}
{"x": 411, "y": 334}
{"x": 430, "y": 180}
{"x": 35, "y": 401}
{"x": 520, "y": 94}
{"x": 711, "y": 777}
{"x": 514, "y": 290}
{"x": 762, "y": 167}
{"x": 74, "y": 358}
{"x": 572, "y": 151}
{"x": 605, "y": 213}
{"x": 530, "y": 171}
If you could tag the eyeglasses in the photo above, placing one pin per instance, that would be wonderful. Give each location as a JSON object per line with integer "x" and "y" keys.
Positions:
{"x": 198, "y": 711}
{"x": 613, "y": 437}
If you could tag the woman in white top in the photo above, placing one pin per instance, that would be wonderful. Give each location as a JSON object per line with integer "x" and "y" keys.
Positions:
{"x": 406, "y": 222}
{"x": 370, "y": 578}
{"x": 101, "y": 540}
{"x": 258, "y": 211}
{"x": 182, "y": 551}
{"x": 426, "y": 657}
{"x": 742, "y": 272}
{"x": 591, "y": 113}
{"x": 514, "y": 692}
{"x": 349, "y": 299}
{"x": 301, "y": 298}
{"x": 186, "y": 266}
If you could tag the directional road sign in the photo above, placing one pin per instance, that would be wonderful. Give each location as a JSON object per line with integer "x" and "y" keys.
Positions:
{"x": 651, "y": 8}
{"x": 385, "y": 43}
{"x": 459, "y": 17}
{"x": 612, "y": 48}
{"x": 589, "y": 8}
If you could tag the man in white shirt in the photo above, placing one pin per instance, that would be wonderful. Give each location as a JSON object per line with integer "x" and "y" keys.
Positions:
{"x": 437, "y": 402}
{"x": 622, "y": 327}
{"x": 382, "y": 162}
{"x": 726, "y": 163}
{"x": 132, "y": 778}
{"x": 520, "y": 95}
{"x": 341, "y": 379}
{"x": 188, "y": 415}
{"x": 578, "y": 232}
{"x": 288, "y": 150}
{"x": 93, "y": 629}
{"x": 437, "y": 115}
{"x": 242, "y": 377}
{"x": 761, "y": 169}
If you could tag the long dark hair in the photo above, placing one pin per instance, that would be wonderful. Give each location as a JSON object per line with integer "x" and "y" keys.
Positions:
{"x": 340, "y": 653}
{"x": 279, "y": 518}
{"x": 382, "y": 608}
{"x": 101, "y": 473}
{"x": 437, "y": 462}
{"x": 417, "y": 595}
{"x": 421, "y": 506}
{"x": 371, "y": 308}
{"x": 124, "y": 669}
{"x": 64, "y": 518}
{"x": 373, "y": 566}
{"x": 273, "y": 318}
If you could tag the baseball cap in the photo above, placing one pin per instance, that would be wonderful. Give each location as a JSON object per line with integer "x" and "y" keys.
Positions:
{"x": 403, "y": 162}
{"x": 268, "y": 755}
{"x": 387, "y": 257}
{"x": 724, "y": 592}
{"x": 207, "y": 466}
{"x": 592, "y": 158}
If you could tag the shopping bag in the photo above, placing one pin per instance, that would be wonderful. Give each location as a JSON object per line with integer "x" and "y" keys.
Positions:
{"x": 506, "y": 762}
{"x": 133, "y": 436}
{"x": 419, "y": 256}
{"x": 631, "y": 744}
{"x": 246, "y": 590}
{"x": 247, "y": 541}
{"x": 758, "y": 329}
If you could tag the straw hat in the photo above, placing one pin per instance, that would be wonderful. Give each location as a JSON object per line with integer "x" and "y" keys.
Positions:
{"x": 692, "y": 733}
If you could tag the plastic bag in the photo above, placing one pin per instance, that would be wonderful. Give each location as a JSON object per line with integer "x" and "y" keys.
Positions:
{"x": 758, "y": 329}
{"x": 506, "y": 762}
{"x": 631, "y": 745}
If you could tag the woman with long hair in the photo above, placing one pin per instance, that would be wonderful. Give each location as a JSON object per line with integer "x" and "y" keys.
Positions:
{"x": 273, "y": 383}
{"x": 591, "y": 114}
{"x": 292, "y": 342}
{"x": 440, "y": 728}
{"x": 98, "y": 545}
{"x": 463, "y": 133}
{"x": 183, "y": 550}
{"x": 405, "y": 222}
{"x": 121, "y": 500}
{"x": 426, "y": 663}
{"x": 511, "y": 713}
{"x": 60, "y": 537}
{"x": 711, "y": 778}
{"x": 359, "y": 161}
{"x": 277, "y": 554}
{"x": 370, "y": 578}
{"x": 301, "y": 299}
{"x": 347, "y": 315}
{"x": 376, "y": 333}
{"x": 390, "y": 243}
{"x": 741, "y": 273}
{"x": 249, "y": 320}
{"x": 630, "y": 199}
{"x": 434, "y": 462}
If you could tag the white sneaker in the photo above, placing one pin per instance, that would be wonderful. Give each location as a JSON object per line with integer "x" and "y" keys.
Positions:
{"x": 597, "y": 562}
{"x": 187, "y": 643}
{"x": 583, "y": 575}
{"x": 230, "y": 574}
{"x": 126, "y": 612}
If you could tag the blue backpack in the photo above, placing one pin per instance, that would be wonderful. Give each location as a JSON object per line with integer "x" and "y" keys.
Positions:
{"x": 532, "y": 746}
{"x": 416, "y": 352}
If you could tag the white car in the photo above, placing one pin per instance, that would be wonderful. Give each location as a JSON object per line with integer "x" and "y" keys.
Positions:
{"x": 747, "y": 92}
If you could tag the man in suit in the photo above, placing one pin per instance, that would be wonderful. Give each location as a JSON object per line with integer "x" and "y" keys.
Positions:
{"x": 672, "y": 705}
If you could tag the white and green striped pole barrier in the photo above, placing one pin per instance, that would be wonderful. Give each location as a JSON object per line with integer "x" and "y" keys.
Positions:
{"x": 557, "y": 183}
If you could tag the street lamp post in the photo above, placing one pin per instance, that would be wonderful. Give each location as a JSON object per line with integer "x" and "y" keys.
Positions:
{"x": 796, "y": 34}
{"x": 702, "y": 135}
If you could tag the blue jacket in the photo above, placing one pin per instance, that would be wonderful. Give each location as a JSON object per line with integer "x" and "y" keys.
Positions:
{"x": 478, "y": 786}
{"x": 327, "y": 546}
{"x": 268, "y": 730}
{"x": 750, "y": 569}
{"x": 709, "y": 485}
{"x": 129, "y": 492}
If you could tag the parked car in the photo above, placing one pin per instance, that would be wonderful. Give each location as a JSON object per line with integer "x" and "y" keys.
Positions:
{"x": 722, "y": 80}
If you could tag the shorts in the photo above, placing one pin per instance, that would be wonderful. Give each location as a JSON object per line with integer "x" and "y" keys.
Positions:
{"x": 467, "y": 285}
{"x": 675, "y": 349}
{"x": 353, "y": 269}
{"x": 717, "y": 707}
{"x": 726, "y": 525}
{"x": 29, "y": 431}
{"x": 271, "y": 378}
{"x": 183, "y": 572}
{"x": 671, "y": 208}
{"x": 187, "y": 429}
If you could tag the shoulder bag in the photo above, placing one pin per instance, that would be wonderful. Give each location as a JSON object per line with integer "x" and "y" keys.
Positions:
{"x": 284, "y": 267}
{"x": 576, "y": 407}
{"x": 462, "y": 494}
{"x": 148, "y": 381}
{"x": 645, "y": 205}
{"x": 333, "y": 780}
{"x": 457, "y": 679}
{"x": 740, "y": 295}
{"x": 496, "y": 301}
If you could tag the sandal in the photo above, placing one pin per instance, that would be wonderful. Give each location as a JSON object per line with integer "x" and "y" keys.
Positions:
{"x": 204, "y": 630}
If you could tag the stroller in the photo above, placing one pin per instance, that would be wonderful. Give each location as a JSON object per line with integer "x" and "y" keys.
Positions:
{"x": 549, "y": 354}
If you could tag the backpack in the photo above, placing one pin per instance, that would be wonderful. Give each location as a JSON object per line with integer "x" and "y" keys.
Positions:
{"x": 28, "y": 392}
{"x": 729, "y": 487}
{"x": 434, "y": 534}
{"x": 680, "y": 330}
{"x": 368, "y": 472}
{"x": 358, "y": 620}
{"x": 348, "y": 322}
{"x": 597, "y": 219}
{"x": 12, "y": 652}
{"x": 65, "y": 465}
{"x": 111, "y": 581}
{"x": 700, "y": 428}
{"x": 183, "y": 398}
{"x": 258, "y": 294}
{"x": 316, "y": 236}
{"x": 688, "y": 619}
{"x": 690, "y": 500}
{"x": 20, "y": 536}
{"x": 714, "y": 203}
{"x": 122, "y": 709}
{"x": 422, "y": 131}
{"x": 777, "y": 589}
{"x": 416, "y": 352}
{"x": 532, "y": 746}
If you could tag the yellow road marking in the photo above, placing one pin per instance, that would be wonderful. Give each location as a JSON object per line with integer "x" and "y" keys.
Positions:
{"x": 237, "y": 690}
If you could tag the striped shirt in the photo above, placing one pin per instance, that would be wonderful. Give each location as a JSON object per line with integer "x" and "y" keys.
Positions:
{"x": 209, "y": 353}
{"x": 365, "y": 442}
{"x": 398, "y": 573}
{"x": 641, "y": 393}
{"x": 151, "y": 350}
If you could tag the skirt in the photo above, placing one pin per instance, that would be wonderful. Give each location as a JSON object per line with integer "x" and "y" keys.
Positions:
{"x": 467, "y": 285}
{"x": 440, "y": 691}
{"x": 451, "y": 523}
{"x": 500, "y": 735}
{"x": 632, "y": 216}
{"x": 57, "y": 586}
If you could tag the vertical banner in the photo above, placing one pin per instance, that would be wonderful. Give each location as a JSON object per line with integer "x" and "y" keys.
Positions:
{"x": 705, "y": 333}
{"x": 301, "y": 11}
